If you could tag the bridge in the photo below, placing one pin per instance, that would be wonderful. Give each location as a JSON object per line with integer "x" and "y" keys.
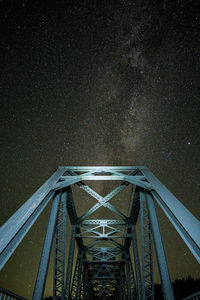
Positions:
{"x": 105, "y": 260}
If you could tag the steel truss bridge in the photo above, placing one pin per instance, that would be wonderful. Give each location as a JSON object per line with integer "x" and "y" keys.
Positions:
{"x": 107, "y": 264}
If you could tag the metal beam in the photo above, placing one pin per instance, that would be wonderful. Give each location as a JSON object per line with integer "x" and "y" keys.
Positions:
{"x": 137, "y": 264}
{"x": 100, "y": 168}
{"x": 46, "y": 251}
{"x": 73, "y": 216}
{"x": 77, "y": 278}
{"x": 132, "y": 179}
{"x": 128, "y": 276}
{"x": 71, "y": 206}
{"x": 160, "y": 252}
{"x": 122, "y": 283}
{"x": 135, "y": 208}
{"x": 59, "y": 249}
{"x": 15, "y": 223}
{"x": 147, "y": 252}
{"x": 7, "y": 294}
{"x": 13, "y": 244}
{"x": 184, "y": 222}
{"x": 102, "y": 201}
{"x": 70, "y": 264}
{"x": 103, "y": 264}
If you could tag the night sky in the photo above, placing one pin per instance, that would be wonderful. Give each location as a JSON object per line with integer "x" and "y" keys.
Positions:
{"x": 98, "y": 83}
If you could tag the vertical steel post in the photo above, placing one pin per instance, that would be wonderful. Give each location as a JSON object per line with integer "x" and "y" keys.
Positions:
{"x": 46, "y": 251}
{"x": 70, "y": 263}
{"x": 160, "y": 252}
{"x": 85, "y": 283}
{"x": 132, "y": 284}
{"x": 184, "y": 222}
{"x": 121, "y": 283}
{"x": 59, "y": 252}
{"x": 147, "y": 255}
{"x": 77, "y": 278}
{"x": 137, "y": 263}
{"x": 128, "y": 275}
{"x": 80, "y": 276}
{"x": 18, "y": 225}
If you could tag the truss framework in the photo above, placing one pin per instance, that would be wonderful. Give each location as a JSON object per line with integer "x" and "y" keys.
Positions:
{"x": 59, "y": 250}
{"x": 104, "y": 268}
{"x": 147, "y": 251}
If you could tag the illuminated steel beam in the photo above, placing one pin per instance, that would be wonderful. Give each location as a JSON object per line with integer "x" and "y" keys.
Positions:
{"x": 168, "y": 292}
{"x": 147, "y": 250}
{"x": 46, "y": 251}
{"x": 102, "y": 271}
{"x": 181, "y": 218}
{"x": 15, "y": 229}
{"x": 59, "y": 249}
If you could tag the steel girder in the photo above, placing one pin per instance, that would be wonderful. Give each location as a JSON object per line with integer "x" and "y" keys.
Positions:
{"x": 77, "y": 283}
{"x": 102, "y": 271}
{"x": 123, "y": 290}
{"x": 147, "y": 251}
{"x": 130, "y": 279}
{"x": 70, "y": 264}
{"x": 184, "y": 222}
{"x": 59, "y": 249}
{"x": 160, "y": 252}
{"x": 46, "y": 251}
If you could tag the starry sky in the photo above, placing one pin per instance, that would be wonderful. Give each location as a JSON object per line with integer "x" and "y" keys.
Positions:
{"x": 98, "y": 83}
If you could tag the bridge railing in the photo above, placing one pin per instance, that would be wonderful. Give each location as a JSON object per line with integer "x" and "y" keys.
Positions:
{"x": 7, "y": 295}
{"x": 195, "y": 296}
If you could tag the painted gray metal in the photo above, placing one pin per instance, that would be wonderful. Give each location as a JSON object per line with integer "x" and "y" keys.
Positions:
{"x": 184, "y": 222}
{"x": 195, "y": 296}
{"x": 137, "y": 264}
{"x": 46, "y": 251}
{"x": 12, "y": 245}
{"x": 147, "y": 250}
{"x": 102, "y": 201}
{"x": 129, "y": 276}
{"x": 18, "y": 220}
{"x": 100, "y": 168}
{"x": 6, "y": 293}
{"x": 70, "y": 264}
{"x": 104, "y": 267}
{"x": 59, "y": 249}
{"x": 137, "y": 180}
{"x": 168, "y": 292}
{"x": 77, "y": 278}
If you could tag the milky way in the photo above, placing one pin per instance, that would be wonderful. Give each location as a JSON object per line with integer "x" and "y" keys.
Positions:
{"x": 98, "y": 84}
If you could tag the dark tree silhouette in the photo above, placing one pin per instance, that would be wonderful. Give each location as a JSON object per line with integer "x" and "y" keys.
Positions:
{"x": 182, "y": 288}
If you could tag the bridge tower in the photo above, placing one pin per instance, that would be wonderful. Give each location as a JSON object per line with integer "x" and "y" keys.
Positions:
{"x": 105, "y": 260}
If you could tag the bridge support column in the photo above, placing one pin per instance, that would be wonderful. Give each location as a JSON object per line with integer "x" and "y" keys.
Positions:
{"x": 160, "y": 252}
{"x": 137, "y": 263}
{"x": 77, "y": 278}
{"x": 147, "y": 254}
{"x": 46, "y": 251}
{"x": 59, "y": 254}
{"x": 70, "y": 264}
{"x": 122, "y": 283}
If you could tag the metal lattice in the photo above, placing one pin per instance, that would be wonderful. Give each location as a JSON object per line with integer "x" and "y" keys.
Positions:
{"x": 104, "y": 268}
{"x": 77, "y": 278}
{"x": 147, "y": 251}
{"x": 59, "y": 259}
